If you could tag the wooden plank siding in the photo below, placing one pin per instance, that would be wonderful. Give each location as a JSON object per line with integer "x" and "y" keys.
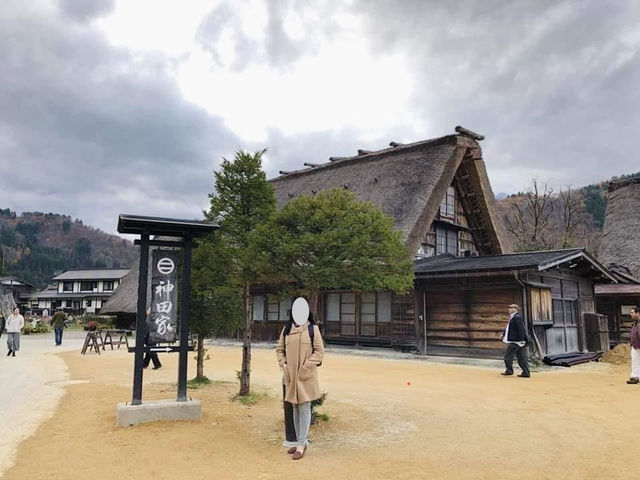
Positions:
{"x": 566, "y": 334}
{"x": 468, "y": 313}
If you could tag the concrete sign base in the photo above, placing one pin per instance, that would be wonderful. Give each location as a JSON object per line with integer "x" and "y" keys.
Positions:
{"x": 156, "y": 411}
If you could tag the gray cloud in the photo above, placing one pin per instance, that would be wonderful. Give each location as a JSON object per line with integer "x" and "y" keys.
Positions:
{"x": 86, "y": 9}
{"x": 551, "y": 84}
{"x": 92, "y": 130}
{"x": 89, "y": 130}
{"x": 278, "y": 50}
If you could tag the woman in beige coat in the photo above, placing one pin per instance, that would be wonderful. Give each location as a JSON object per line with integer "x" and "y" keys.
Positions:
{"x": 299, "y": 360}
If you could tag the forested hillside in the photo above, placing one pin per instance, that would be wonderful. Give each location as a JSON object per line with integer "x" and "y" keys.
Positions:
{"x": 542, "y": 219}
{"x": 36, "y": 246}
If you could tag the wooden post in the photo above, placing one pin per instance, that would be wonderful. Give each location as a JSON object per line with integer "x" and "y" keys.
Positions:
{"x": 184, "y": 320}
{"x": 140, "y": 320}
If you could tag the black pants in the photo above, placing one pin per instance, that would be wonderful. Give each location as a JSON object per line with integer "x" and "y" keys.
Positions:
{"x": 521, "y": 353}
{"x": 289, "y": 428}
{"x": 153, "y": 357}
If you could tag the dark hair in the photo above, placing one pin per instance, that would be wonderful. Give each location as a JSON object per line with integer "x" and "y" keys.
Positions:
{"x": 289, "y": 325}
{"x": 636, "y": 309}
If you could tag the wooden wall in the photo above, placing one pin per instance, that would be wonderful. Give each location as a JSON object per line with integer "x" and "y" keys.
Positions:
{"x": 567, "y": 333}
{"x": 468, "y": 313}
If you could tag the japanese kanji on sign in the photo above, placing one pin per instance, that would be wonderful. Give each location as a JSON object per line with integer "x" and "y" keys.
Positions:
{"x": 164, "y": 295}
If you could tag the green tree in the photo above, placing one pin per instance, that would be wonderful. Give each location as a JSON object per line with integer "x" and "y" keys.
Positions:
{"x": 332, "y": 241}
{"x": 8, "y": 236}
{"x": 243, "y": 200}
{"x": 216, "y": 302}
{"x": 82, "y": 251}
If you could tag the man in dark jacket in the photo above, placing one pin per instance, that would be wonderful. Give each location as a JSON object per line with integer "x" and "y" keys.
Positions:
{"x": 149, "y": 341}
{"x": 515, "y": 336}
{"x": 57, "y": 322}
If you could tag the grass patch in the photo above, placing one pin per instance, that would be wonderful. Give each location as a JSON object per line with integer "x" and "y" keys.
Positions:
{"x": 322, "y": 417}
{"x": 250, "y": 399}
{"x": 196, "y": 383}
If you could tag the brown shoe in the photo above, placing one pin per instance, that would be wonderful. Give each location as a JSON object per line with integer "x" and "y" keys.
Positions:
{"x": 292, "y": 450}
{"x": 633, "y": 381}
{"x": 298, "y": 455}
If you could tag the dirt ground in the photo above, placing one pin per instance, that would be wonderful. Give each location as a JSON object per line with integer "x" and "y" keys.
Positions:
{"x": 388, "y": 418}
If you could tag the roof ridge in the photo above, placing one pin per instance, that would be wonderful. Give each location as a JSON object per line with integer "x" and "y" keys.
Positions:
{"x": 372, "y": 154}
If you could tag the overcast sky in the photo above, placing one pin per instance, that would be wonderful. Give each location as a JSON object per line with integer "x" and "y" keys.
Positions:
{"x": 128, "y": 106}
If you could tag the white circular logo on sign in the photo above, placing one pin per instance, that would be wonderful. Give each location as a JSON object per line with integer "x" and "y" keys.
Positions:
{"x": 166, "y": 266}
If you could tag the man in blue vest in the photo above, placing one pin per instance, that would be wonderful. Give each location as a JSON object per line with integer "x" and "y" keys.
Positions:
{"x": 515, "y": 336}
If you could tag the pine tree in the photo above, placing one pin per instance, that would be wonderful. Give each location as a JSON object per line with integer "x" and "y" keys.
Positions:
{"x": 243, "y": 200}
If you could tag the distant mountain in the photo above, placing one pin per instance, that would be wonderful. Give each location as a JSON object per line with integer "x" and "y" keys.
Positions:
{"x": 36, "y": 246}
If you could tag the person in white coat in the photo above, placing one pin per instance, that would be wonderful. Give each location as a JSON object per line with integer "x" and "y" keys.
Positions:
{"x": 14, "y": 325}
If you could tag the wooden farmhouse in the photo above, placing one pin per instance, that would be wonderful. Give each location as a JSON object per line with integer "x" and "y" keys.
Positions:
{"x": 79, "y": 291}
{"x": 439, "y": 195}
{"x": 620, "y": 251}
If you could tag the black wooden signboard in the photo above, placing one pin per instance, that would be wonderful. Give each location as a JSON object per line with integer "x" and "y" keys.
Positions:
{"x": 164, "y": 296}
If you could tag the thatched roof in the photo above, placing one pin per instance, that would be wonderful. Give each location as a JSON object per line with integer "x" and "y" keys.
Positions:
{"x": 408, "y": 182}
{"x": 621, "y": 238}
{"x": 125, "y": 297}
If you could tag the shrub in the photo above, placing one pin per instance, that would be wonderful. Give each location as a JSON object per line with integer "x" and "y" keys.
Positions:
{"x": 314, "y": 405}
{"x": 40, "y": 327}
{"x": 99, "y": 322}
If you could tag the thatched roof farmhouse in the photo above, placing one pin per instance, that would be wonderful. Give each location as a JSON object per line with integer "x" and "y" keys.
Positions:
{"x": 620, "y": 251}
{"x": 621, "y": 238}
{"x": 438, "y": 193}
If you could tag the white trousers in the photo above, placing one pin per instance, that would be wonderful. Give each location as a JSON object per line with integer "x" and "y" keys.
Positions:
{"x": 635, "y": 363}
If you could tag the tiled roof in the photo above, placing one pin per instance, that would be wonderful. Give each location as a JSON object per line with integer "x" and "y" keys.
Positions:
{"x": 93, "y": 274}
{"x": 514, "y": 261}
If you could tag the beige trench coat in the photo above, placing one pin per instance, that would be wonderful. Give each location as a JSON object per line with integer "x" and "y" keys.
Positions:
{"x": 300, "y": 365}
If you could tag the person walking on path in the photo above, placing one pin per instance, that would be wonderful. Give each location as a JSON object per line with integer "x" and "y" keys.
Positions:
{"x": 635, "y": 347}
{"x": 57, "y": 322}
{"x": 150, "y": 326}
{"x": 515, "y": 336}
{"x": 299, "y": 356}
{"x": 15, "y": 323}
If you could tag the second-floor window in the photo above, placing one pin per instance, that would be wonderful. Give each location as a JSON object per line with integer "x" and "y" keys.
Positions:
{"x": 67, "y": 286}
{"x": 87, "y": 286}
{"x": 448, "y": 205}
{"x": 107, "y": 285}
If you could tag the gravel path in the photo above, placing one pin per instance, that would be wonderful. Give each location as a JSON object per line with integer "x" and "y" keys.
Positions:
{"x": 31, "y": 385}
